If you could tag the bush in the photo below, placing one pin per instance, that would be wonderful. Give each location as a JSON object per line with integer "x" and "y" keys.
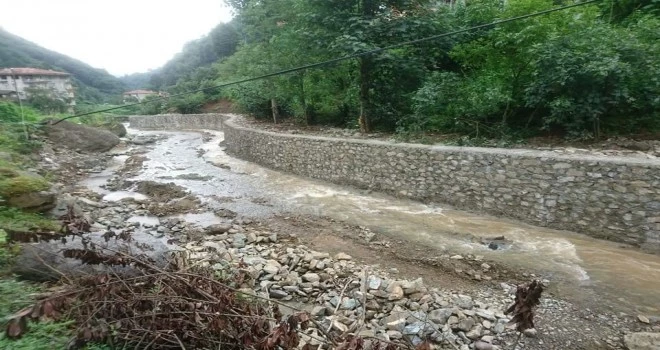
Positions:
{"x": 615, "y": 90}
{"x": 450, "y": 103}
{"x": 189, "y": 104}
{"x": 12, "y": 129}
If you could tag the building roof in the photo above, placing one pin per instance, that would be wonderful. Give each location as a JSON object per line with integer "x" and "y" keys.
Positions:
{"x": 31, "y": 71}
{"x": 141, "y": 92}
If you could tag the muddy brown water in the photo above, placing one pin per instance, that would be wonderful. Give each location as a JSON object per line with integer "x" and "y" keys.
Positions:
{"x": 580, "y": 268}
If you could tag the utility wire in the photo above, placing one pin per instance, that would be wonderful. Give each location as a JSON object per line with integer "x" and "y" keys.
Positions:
{"x": 343, "y": 58}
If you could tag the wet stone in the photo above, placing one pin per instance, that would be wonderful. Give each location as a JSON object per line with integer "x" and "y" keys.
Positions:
{"x": 278, "y": 294}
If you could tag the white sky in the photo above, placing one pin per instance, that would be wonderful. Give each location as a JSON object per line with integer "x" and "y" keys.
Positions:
{"x": 121, "y": 36}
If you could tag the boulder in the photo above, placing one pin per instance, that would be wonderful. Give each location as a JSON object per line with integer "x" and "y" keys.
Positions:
{"x": 81, "y": 137}
{"x": 44, "y": 261}
{"x": 217, "y": 229}
{"x": 41, "y": 201}
{"x": 116, "y": 128}
{"x": 26, "y": 190}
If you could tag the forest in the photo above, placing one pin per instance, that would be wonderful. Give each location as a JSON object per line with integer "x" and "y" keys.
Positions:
{"x": 580, "y": 73}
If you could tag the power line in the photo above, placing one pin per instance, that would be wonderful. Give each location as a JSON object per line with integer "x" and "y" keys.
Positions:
{"x": 343, "y": 58}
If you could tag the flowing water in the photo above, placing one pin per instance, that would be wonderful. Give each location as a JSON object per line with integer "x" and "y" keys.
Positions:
{"x": 579, "y": 266}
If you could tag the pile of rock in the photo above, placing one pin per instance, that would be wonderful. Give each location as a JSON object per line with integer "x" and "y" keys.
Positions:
{"x": 349, "y": 297}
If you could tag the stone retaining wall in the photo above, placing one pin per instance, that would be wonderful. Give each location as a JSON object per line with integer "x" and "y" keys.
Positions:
{"x": 607, "y": 197}
{"x": 177, "y": 121}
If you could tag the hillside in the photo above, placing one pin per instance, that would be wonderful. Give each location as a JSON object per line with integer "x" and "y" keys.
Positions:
{"x": 94, "y": 85}
{"x": 219, "y": 43}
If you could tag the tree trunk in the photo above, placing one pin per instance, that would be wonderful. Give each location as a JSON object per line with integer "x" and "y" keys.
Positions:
{"x": 276, "y": 112}
{"x": 365, "y": 84}
{"x": 367, "y": 10}
{"x": 303, "y": 102}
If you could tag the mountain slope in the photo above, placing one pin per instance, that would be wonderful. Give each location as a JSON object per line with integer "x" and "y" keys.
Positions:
{"x": 93, "y": 84}
{"x": 219, "y": 43}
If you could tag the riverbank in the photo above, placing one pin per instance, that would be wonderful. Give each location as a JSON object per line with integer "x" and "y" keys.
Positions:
{"x": 302, "y": 258}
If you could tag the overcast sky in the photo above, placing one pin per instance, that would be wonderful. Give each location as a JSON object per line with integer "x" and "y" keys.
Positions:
{"x": 121, "y": 36}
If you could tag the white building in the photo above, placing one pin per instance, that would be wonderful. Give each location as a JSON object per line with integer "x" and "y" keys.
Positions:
{"x": 26, "y": 81}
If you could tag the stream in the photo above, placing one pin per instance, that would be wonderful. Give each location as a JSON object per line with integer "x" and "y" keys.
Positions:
{"x": 580, "y": 267}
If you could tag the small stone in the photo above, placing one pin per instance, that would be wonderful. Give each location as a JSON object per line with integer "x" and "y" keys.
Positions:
{"x": 271, "y": 269}
{"x": 278, "y": 294}
{"x": 530, "y": 333}
{"x": 349, "y": 304}
{"x": 396, "y": 292}
{"x": 217, "y": 229}
{"x": 311, "y": 277}
{"x": 374, "y": 282}
{"x": 372, "y": 305}
{"x": 487, "y": 338}
{"x": 499, "y": 327}
{"x": 466, "y": 324}
{"x": 217, "y": 246}
{"x": 343, "y": 256}
{"x": 396, "y": 321}
{"x": 456, "y": 257}
{"x": 394, "y": 334}
{"x": 273, "y": 237}
{"x": 643, "y": 319}
{"x": 413, "y": 328}
{"x": 452, "y": 320}
{"x": 318, "y": 311}
{"x": 339, "y": 326}
{"x": 474, "y": 333}
{"x": 238, "y": 240}
{"x": 486, "y": 314}
{"x": 413, "y": 287}
{"x": 465, "y": 302}
{"x": 482, "y": 345}
{"x": 439, "y": 316}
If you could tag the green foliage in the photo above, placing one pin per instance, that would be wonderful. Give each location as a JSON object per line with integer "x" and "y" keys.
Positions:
{"x": 615, "y": 90}
{"x": 151, "y": 107}
{"x": 44, "y": 101}
{"x": 198, "y": 54}
{"x": 582, "y": 72}
{"x": 13, "y": 131}
{"x": 189, "y": 104}
{"x": 13, "y": 183}
{"x": 45, "y": 335}
{"x": 568, "y": 73}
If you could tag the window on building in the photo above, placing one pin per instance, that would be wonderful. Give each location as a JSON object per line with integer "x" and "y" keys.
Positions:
{"x": 3, "y": 77}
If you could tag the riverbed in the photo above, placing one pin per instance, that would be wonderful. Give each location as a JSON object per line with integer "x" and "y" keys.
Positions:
{"x": 580, "y": 268}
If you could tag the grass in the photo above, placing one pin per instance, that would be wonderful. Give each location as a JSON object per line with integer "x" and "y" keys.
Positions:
{"x": 16, "y": 219}
{"x": 15, "y": 294}
{"x": 44, "y": 335}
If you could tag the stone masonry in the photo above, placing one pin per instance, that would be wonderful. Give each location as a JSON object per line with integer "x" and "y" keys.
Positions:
{"x": 613, "y": 198}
